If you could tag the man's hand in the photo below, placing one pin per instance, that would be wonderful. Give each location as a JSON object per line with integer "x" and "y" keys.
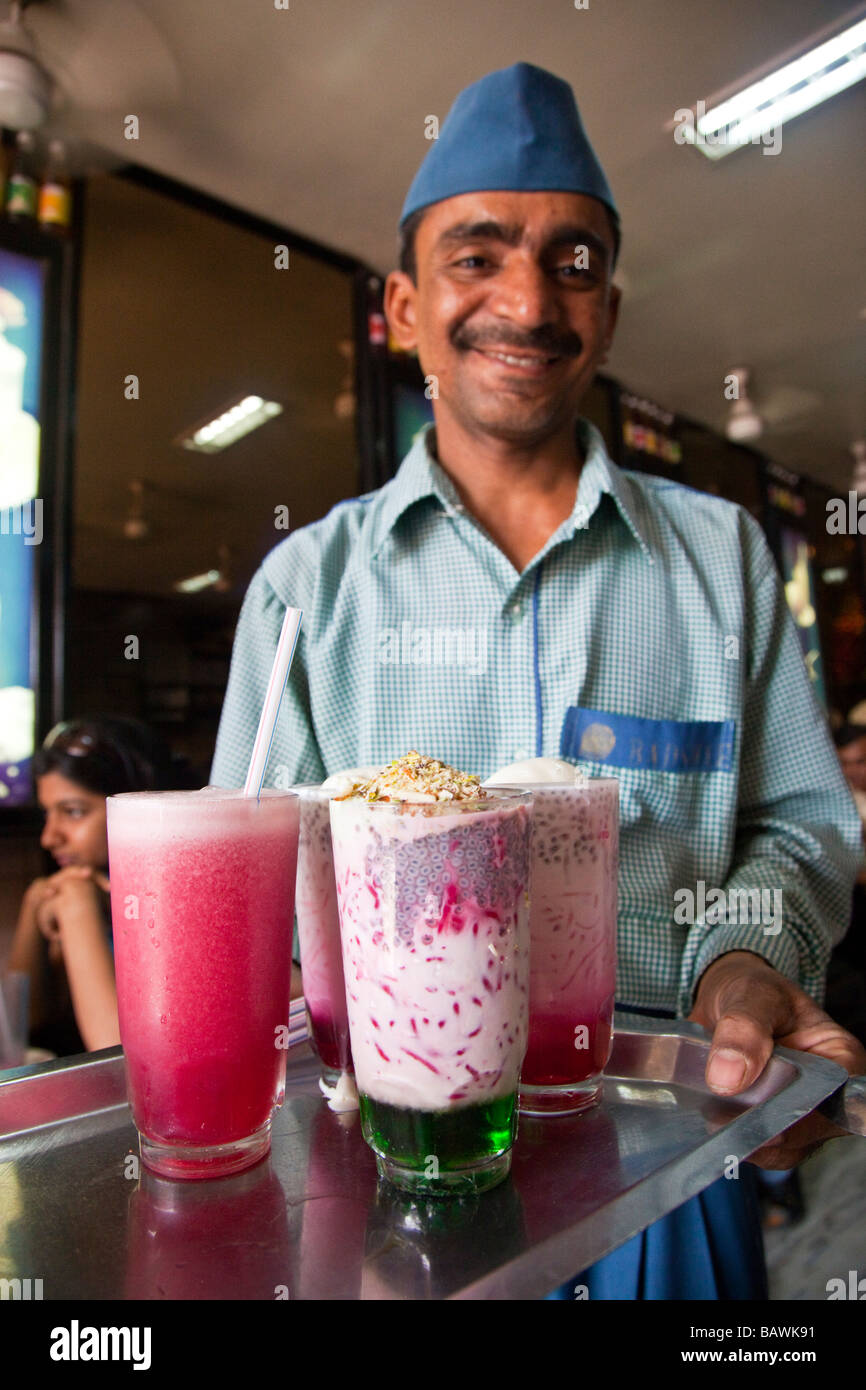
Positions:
{"x": 749, "y": 1008}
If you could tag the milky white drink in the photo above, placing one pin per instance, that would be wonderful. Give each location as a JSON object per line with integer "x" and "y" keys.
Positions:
{"x": 573, "y": 930}
{"x": 432, "y": 875}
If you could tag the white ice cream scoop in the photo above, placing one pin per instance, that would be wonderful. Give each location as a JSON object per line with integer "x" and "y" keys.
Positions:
{"x": 345, "y": 782}
{"x": 553, "y": 770}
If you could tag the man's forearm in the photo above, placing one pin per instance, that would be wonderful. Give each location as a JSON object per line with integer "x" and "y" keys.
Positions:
{"x": 784, "y": 907}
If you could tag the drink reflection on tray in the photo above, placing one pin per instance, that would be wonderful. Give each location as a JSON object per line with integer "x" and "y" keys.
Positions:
{"x": 210, "y": 1239}
{"x": 415, "y": 1245}
{"x": 333, "y": 1224}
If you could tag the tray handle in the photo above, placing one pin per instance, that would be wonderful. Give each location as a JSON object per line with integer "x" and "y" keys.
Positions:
{"x": 847, "y": 1106}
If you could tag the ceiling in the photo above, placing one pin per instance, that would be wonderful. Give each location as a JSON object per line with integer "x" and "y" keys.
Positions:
{"x": 313, "y": 116}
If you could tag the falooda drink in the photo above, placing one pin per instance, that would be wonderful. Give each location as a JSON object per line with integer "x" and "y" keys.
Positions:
{"x": 432, "y": 875}
{"x": 202, "y": 897}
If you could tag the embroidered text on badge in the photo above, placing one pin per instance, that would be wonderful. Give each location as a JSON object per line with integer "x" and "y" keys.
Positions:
{"x": 661, "y": 745}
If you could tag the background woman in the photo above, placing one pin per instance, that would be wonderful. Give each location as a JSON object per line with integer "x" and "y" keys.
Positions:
{"x": 63, "y": 936}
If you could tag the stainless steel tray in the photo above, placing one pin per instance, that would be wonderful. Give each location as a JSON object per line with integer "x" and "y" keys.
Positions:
{"x": 314, "y": 1222}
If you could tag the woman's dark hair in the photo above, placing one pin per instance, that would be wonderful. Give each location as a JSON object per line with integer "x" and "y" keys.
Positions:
{"x": 848, "y": 733}
{"x": 107, "y": 755}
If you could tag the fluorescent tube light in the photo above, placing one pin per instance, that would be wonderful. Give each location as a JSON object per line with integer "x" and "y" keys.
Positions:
{"x": 197, "y": 582}
{"x": 238, "y": 419}
{"x": 780, "y": 96}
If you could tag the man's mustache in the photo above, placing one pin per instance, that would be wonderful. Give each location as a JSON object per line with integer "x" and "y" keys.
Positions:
{"x": 542, "y": 341}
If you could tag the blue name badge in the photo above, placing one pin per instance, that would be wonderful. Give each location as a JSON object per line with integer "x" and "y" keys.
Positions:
{"x": 660, "y": 745}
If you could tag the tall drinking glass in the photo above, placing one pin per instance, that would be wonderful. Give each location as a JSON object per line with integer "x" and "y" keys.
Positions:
{"x": 319, "y": 937}
{"x": 434, "y": 917}
{"x": 202, "y": 899}
{"x": 573, "y": 953}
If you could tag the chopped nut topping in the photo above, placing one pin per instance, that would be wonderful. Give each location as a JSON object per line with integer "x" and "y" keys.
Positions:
{"x": 419, "y": 778}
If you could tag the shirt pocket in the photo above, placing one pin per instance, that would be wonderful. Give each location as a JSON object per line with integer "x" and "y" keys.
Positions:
{"x": 677, "y": 795}
{"x": 620, "y": 741}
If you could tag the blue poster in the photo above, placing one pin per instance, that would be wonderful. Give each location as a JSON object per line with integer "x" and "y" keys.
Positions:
{"x": 22, "y": 290}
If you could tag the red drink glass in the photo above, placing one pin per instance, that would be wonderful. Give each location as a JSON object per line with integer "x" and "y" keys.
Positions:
{"x": 202, "y": 897}
{"x": 319, "y": 936}
{"x": 572, "y": 982}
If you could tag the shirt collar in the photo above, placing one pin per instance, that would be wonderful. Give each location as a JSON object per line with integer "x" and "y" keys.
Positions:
{"x": 600, "y": 475}
{"x": 421, "y": 476}
{"x": 418, "y": 477}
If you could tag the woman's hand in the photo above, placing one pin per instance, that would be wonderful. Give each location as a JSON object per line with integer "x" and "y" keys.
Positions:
{"x": 70, "y": 914}
{"x": 40, "y": 889}
{"x": 65, "y": 899}
{"x": 73, "y": 889}
{"x": 67, "y": 911}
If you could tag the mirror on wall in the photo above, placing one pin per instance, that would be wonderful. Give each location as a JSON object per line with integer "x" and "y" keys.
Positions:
{"x": 188, "y": 320}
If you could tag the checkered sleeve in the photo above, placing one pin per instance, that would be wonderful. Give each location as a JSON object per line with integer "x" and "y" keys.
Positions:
{"x": 798, "y": 836}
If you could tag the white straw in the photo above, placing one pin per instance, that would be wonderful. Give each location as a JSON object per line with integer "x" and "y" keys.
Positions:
{"x": 271, "y": 708}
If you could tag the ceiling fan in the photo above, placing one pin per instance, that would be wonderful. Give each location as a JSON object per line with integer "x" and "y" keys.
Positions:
{"x": 67, "y": 58}
{"x": 135, "y": 522}
{"x": 781, "y": 410}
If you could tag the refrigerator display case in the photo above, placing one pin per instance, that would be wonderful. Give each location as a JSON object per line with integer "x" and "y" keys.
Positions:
{"x": 36, "y": 274}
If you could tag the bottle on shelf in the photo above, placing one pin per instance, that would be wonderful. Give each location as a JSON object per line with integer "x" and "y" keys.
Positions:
{"x": 627, "y": 422}
{"x": 638, "y": 428}
{"x": 21, "y": 189}
{"x": 651, "y": 437}
{"x": 54, "y": 210}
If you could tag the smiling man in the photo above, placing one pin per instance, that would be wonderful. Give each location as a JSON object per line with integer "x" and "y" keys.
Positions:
{"x": 512, "y": 312}
{"x": 632, "y": 627}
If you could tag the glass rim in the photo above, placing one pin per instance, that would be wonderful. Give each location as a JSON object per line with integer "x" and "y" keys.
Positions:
{"x": 511, "y": 795}
{"x": 560, "y": 786}
{"x": 168, "y": 796}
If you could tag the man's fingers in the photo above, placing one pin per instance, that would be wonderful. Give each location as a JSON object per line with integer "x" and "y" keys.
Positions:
{"x": 830, "y": 1040}
{"x": 747, "y": 1006}
{"x": 795, "y": 1144}
{"x": 741, "y": 1048}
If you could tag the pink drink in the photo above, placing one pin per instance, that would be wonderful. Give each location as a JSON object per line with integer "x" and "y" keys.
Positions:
{"x": 319, "y": 935}
{"x": 434, "y": 917}
{"x": 573, "y": 954}
{"x": 202, "y": 897}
